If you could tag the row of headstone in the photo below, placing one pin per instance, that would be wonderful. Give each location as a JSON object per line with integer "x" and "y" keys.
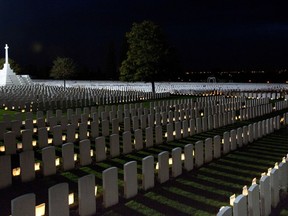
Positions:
{"x": 231, "y": 141}
{"x": 260, "y": 199}
{"x": 47, "y": 97}
{"x": 202, "y": 124}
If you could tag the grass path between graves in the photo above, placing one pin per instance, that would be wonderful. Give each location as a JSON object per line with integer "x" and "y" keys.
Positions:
{"x": 205, "y": 190}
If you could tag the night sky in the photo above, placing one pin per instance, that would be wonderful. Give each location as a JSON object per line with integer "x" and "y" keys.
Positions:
{"x": 208, "y": 35}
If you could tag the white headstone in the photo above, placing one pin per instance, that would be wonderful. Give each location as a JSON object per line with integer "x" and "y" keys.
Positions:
{"x": 217, "y": 146}
{"x": 275, "y": 187}
{"x": 189, "y": 160}
{"x": 42, "y": 137}
{"x": 185, "y": 128}
{"x": 85, "y": 147}
{"x": 27, "y": 140}
{"x": 163, "y": 167}
{"x": 127, "y": 124}
{"x": 240, "y": 207}
{"x": 148, "y": 172}
{"x": 208, "y": 150}
{"x": 283, "y": 176}
{"x": 48, "y": 160}
{"x": 105, "y": 127}
{"x": 239, "y": 137}
{"x": 226, "y": 144}
{"x": 57, "y": 135}
{"x": 114, "y": 145}
{"x": 245, "y": 135}
{"x": 192, "y": 127}
{"x": 94, "y": 129}
{"x": 10, "y": 143}
{"x": 23, "y": 205}
{"x": 70, "y": 136}
{"x": 110, "y": 187}
{"x": 100, "y": 149}
{"x": 170, "y": 136}
{"x": 127, "y": 144}
{"x": 265, "y": 195}
{"x": 86, "y": 195}
{"x": 233, "y": 143}
{"x": 58, "y": 200}
{"x": 176, "y": 162}
{"x": 115, "y": 126}
{"x": 253, "y": 200}
{"x": 158, "y": 134}
{"x": 130, "y": 179}
{"x": 27, "y": 162}
{"x": 138, "y": 139}
{"x": 198, "y": 125}
{"x": 149, "y": 137}
{"x": 68, "y": 156}
{"x": 199, "y": 154}
{"x": 225, "y": 211}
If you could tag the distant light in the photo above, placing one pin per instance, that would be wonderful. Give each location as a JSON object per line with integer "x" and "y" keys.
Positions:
{"x": 268, "y": 81}
{"x": 249, "y": 81}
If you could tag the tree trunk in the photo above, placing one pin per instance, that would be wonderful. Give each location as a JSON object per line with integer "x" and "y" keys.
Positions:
{"x": 64, "y": 84}
{"x": 153, "y": 87}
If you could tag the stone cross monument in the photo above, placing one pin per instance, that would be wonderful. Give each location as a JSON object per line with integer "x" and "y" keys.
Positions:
{"x": 8, "y": 77}
{"x": 6, "y": 54}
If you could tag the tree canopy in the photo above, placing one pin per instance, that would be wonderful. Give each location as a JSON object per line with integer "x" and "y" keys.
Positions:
{"x": 14, "y": 66}
{"x": 147, "y": 51}
{"x": 63, "y": 68}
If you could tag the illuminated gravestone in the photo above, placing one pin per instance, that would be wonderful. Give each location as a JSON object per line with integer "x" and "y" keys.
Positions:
{"x": 225, "y": 211}
{"x": 100, "y": 151}
{"x": 27, "y": 166}
{"x": 114, "y": 145}
{"x": 110, "y": 187}
{"x": 130, "y": 179}
{"x": 253, "y": 200}
{"x": 23, "y": 205}
{"x": 199, "y": 158}
{"x": 185, "y": 128}
{"x": 86, "y": 195}
{"x": 138, "y": 139}
{"x": 48, "y": 159}
{"x": 27, "y": 140}
{"x": 240, "y": 207}
{"x": 208, "y": 150}
{"x": 85, "y": 158}
{"x": 216, "y": 146}
{"x": 149, "y": 136}
{"x": 10, "y": 143}
{"x": 176, "y": 162}
{"x": 68, "y": 156}
{"x": 188, "y": 154}
{"x": 148, "y": 172}
{"x": 58, "y": 200}
{"x": 163, "y": 167}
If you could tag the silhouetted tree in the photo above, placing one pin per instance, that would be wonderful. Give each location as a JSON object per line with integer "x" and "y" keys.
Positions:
{"x": 147, "y": 54}
{"x": 63, "y": 68}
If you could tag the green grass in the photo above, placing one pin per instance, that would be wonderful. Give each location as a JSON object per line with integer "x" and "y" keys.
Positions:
{"x": 9, "y": 112}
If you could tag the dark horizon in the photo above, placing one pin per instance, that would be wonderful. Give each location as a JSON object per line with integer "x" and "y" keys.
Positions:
{"x": 207, "y": 35}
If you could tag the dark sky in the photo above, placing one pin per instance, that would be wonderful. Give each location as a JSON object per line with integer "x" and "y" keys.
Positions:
{"x": 214, "y": 34}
